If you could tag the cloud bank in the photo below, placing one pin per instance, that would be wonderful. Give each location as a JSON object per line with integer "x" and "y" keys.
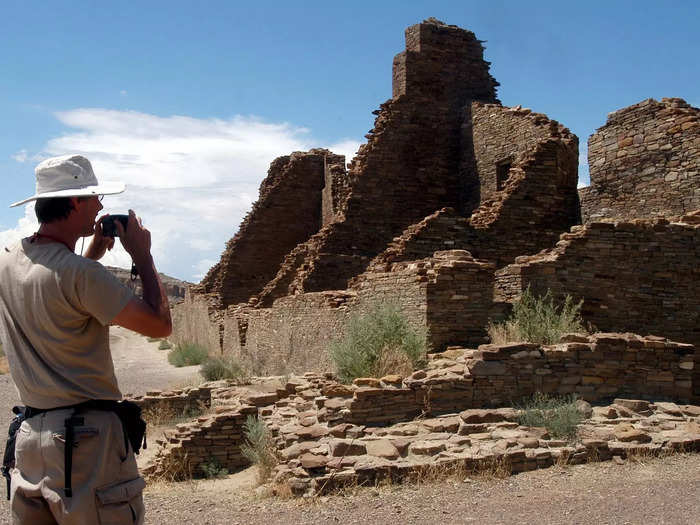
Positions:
{"x": 191, "y": 180}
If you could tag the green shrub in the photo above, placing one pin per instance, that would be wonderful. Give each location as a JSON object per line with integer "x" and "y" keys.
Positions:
{"x": 212, "y": 469}
{"x": 379, "y": 343}
{"x": 164, "y": 345}
{"x": 153, "y": 339}
{"x": 259, "y": 448}
{"x": 558, "y": 415}
{"x": 538, "y": 320}
{"x": 187, "y": 354}
{"x": 215, "y": 368}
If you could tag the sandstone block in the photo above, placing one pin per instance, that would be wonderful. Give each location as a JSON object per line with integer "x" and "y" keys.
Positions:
{"x": 426, "y": 448}
{"x": 347, "y": 447}
{"x": 636, "y": 405}
{"x": 382, "y": 448}
{"x": 313, "y": 461}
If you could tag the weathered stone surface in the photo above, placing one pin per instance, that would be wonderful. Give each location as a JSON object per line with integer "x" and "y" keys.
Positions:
{"x": 636, "y": 405}
{"x": 382, "y": 448}
{"x": 627, "y": 433}
{"x": 347, "y": 447}
{"x": 312, "y": 461}
{"x": 474, "y": 416}
{"x": 638, "y": 168}
{"x": 426, "y": 448}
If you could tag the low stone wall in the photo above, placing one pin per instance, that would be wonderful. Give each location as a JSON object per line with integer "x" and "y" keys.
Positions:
{"x": 640, "y": 276}
{"x": 182, "y": 401}
{"x": 328, "y": 434}
{"x": 213, "y": 440}
{"x": 596, "y": 368}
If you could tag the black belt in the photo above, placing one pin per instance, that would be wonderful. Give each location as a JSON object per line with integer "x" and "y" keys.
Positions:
{"x": 73, "y": 421}
{"x": 92, "y": 404}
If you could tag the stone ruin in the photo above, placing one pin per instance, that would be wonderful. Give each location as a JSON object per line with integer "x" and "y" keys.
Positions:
{"x": 454, "y": 206}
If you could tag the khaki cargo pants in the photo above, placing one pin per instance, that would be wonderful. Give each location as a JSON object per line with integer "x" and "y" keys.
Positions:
{"x": 106, "y": 483}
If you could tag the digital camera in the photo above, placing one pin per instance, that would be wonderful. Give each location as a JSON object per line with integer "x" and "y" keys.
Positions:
{"x": 109, "y": 229}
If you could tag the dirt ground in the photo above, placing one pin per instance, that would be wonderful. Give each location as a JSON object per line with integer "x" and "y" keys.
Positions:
{"x": 653, "y": 491}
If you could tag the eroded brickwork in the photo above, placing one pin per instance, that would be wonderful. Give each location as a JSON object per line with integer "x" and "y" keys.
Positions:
{"x": 503, "y": 137}
{"x": 640, "y": 276}
{"x": 645, "y": 162}
{"x": 287, "y": 213}
{"x": 410, "y": 165}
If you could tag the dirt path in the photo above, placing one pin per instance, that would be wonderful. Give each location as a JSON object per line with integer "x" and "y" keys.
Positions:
{"x": 140, "y": 366}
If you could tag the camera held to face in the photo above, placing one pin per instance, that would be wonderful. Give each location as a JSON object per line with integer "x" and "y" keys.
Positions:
{"x": 109, "y": 229}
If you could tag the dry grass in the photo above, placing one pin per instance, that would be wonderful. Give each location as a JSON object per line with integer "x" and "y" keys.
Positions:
{"x": 486, "y": 469}
{"x": 172, "y": 469}
{"x": 162, "y": 414}
{"x": 4, "y": 367}
{"x": 392, "y": 360}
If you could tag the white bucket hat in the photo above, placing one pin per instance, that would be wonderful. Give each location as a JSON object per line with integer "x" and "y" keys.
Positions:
{"x": 69, "y": 176}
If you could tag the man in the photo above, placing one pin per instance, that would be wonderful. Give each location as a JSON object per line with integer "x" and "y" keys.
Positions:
{"x": 55, "y": 311}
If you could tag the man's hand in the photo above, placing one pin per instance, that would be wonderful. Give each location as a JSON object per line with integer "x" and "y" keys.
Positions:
{"x": 136, "y": 239}
{"x": 152, "y": 315}
{"x": 99, "y": 243}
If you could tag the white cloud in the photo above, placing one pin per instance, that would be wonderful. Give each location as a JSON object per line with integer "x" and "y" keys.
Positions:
{"x": 123, "y": 92}
{"x": 191, "y": 180}
{"x": 25, "y": 227}
{"x": 20, "y": 156}
{"x": 583, "y": 175}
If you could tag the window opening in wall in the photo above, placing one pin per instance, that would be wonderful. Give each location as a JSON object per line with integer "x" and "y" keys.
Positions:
{"x": 502, "y": 169}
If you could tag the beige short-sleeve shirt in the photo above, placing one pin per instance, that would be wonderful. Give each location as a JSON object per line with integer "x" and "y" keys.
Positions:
{"x": 55, "y": 310}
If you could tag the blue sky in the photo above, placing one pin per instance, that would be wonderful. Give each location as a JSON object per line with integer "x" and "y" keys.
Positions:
{"x": 189, "y": 102}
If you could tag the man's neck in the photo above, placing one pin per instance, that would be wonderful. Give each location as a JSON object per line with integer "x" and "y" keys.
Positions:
{"x": 58, "y": 232}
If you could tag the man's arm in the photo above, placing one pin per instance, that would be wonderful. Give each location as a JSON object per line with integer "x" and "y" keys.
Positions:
{"x": 150, "y": 316}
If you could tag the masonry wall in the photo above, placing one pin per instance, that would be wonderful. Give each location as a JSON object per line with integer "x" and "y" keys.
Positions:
{"x": 288, "y": 212}
{"x": 596, "y": 368}
{"x": 645, "y": 162}
{"x": 292, "y": 336}
{"x": 504, "y": 136}
{"x": 409, "y": 166}
{"x": 336, "y": 188}
{"x": 537, "y": 204}
{"x": 197, "y": 320}
{"x": 639, "y": 276}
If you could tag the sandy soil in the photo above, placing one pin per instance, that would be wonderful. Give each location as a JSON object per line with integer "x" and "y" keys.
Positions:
{"x": 654, "y": 491}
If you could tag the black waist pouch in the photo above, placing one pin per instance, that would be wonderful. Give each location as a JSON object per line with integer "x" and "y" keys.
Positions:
{"x": 134, "y": 426}
{"x": 8, "y": 461}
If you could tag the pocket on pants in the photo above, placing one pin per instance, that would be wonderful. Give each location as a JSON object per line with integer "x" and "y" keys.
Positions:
{"x": 121, "y": 503}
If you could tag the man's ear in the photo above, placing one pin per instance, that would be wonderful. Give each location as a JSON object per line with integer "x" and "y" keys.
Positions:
{"x": 74, "y": 203}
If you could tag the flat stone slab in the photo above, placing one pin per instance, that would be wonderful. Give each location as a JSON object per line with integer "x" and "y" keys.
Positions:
{"x": 426, "y": 448}
{"x": 382, "y": 448}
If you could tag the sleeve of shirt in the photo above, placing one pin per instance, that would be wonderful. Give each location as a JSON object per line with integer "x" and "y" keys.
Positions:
{"x": 100, "y": 293}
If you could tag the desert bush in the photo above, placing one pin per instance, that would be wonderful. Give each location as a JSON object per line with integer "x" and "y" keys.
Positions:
{"x": 212, "y": 469}
{"x": 377, "y": 343}
{"x": 538, "y": 320}
{"x": 153, "y": 339}
{"x": 187, "y": 354}
{"x": 164, "y": 345}
{"x": 215, "y": 368}
{"x": 558, "y": 415}
{"x": 259, "y": 448}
